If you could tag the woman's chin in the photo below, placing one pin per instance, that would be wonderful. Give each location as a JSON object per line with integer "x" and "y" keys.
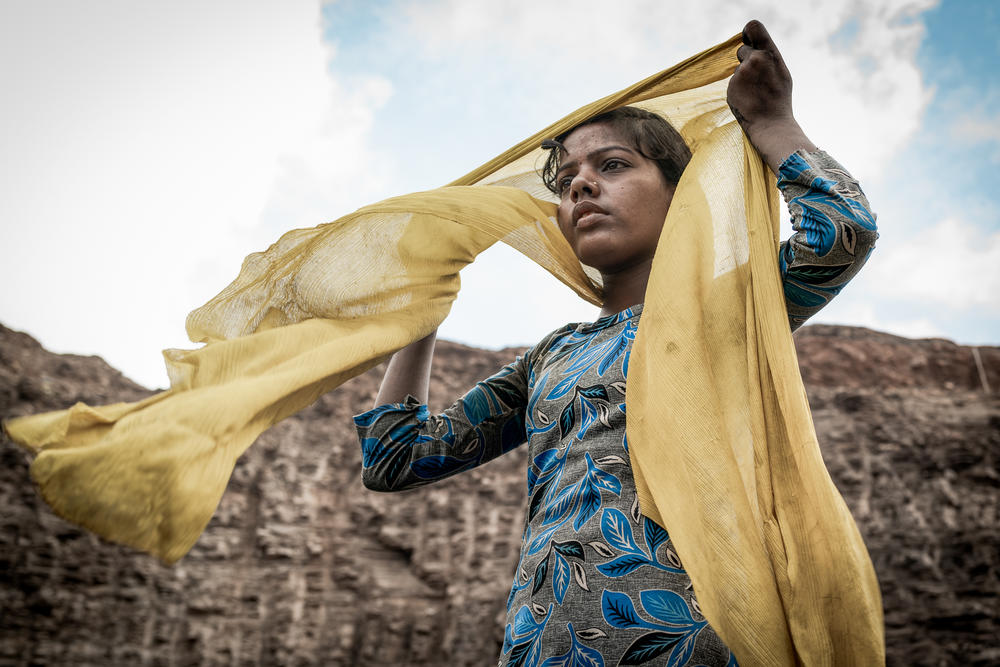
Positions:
{"x": 600, "y": 258}
{"x": 595, "y": 251}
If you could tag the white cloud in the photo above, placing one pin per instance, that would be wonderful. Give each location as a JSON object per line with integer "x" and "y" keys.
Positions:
{"x": 858, "y": 89}
{"x": 164, "y": 143}
{"x": 149, "y": 148}
{"x": 507, "y": 300}
{"x": 332, "y": 170}
{"x": 862, "y": 97}
{"x": 858, "y": 92}
{"x": 949, "y": 266}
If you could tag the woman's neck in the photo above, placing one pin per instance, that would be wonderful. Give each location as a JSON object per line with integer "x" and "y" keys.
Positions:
{"x": 625, "y": 288}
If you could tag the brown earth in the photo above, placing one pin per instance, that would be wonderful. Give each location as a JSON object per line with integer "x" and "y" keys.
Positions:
{"x": 302, "y": 565}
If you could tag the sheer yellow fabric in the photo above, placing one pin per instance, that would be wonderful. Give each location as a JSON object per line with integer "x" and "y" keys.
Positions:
{"x": 731, "y": 467}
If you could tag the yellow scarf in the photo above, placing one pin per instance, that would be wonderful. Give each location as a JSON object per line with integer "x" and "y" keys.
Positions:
{"x": 722, "y": 442}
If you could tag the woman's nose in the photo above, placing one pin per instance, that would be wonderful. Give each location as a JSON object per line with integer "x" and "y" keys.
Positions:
{"x": 584, "y": 185}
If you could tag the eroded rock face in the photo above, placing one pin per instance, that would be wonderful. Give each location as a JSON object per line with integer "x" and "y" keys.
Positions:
{"x": 302, "y": 565}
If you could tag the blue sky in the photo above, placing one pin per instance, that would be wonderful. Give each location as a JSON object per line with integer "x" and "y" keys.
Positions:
{"x": 953, "y": 162}
{"x": 150, "y": 147}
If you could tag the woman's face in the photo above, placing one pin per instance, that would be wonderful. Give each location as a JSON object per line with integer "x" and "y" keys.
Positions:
{"x": 612, "y": 199}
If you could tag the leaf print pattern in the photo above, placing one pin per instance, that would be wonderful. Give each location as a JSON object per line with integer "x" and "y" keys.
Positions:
{"x": 584, "y": 355}
{"x": 597, "y": 583}
{"x": 522, "y": 641}
{"x": 832, "y": 221}
{"x": 578, "y": 501}
{"x": 536, "y": 421}
{"x": 675, "y": 633}
{"x": 578, "y": 655}
{"x": 817, "y": 274}
{"x": 618, "y": 534}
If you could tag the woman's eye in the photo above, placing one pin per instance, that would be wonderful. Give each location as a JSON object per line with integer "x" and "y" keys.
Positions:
{"x": 564, "y": 183}
{"x": 613, "y": 164}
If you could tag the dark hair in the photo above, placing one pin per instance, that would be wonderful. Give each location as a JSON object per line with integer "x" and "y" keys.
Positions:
{"x": 651, "y": 135}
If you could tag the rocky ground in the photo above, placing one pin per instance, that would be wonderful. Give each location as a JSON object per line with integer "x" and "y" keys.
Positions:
{"x": 302, "y": 565}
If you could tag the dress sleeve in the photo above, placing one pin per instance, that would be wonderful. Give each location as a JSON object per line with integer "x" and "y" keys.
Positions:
{"x": 834, "y": 232}
{"x": 402, "y": 446}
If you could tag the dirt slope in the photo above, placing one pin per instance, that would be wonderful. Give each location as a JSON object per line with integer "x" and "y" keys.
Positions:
{"x": 302, "y": 565}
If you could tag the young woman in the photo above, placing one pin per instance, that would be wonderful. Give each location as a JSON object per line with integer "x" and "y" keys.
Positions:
{"x": 588, "y": 558}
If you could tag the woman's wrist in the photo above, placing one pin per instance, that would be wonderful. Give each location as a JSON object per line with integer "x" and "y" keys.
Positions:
{"x": 776, "y": 139}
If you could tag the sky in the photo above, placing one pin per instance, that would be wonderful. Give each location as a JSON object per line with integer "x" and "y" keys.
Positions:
{"x": 148, "y": 147}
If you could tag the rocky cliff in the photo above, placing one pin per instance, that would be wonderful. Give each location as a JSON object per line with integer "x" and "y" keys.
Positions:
{"x": 302, "y": 565}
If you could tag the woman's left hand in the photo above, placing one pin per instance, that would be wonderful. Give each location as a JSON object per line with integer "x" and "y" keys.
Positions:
{"x": 760, "y": 97}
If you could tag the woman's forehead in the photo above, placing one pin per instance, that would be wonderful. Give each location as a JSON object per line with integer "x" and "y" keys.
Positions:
{"x": 588, "y": 137}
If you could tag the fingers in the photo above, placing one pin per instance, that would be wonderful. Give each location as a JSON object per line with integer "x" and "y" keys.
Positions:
{"x": 757, "y": 39}
{"x": 756, "y": 36}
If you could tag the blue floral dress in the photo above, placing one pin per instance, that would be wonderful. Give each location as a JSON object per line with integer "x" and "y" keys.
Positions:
{"x": 597, "y": 583}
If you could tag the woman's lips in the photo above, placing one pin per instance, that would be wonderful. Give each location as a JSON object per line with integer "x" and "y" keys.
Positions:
{"x": 583, "y": 213}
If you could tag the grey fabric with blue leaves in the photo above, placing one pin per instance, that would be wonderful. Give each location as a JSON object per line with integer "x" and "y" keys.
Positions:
{"x": 596, "y": 582}
{"x": 834, "y": 232}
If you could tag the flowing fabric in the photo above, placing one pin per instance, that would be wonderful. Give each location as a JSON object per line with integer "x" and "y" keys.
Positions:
{"x": 777, "y": 562}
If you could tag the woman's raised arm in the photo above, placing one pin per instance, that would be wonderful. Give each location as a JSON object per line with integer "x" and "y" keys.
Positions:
{"x": 834, "y": 226}
{"x": 408, "y": 373}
